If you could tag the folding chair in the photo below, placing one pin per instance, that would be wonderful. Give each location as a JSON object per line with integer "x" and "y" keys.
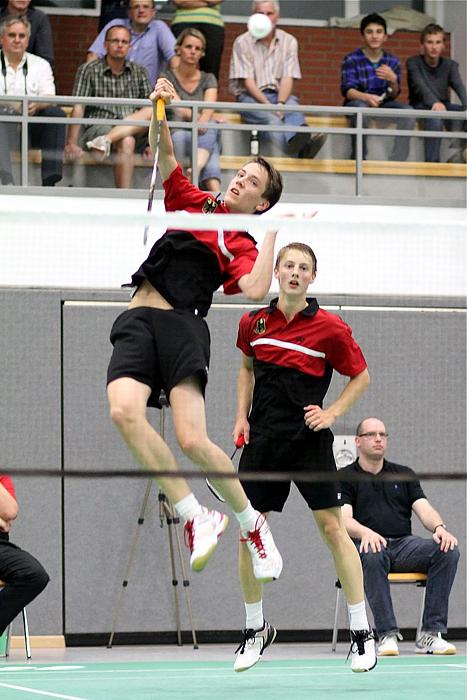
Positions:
{"x": 27, "y": 641}
{"x": 416, "y": 578}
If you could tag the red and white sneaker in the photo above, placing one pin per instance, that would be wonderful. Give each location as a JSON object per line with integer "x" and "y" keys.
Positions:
{"x": 265, "y": 557}
{"x": 201, "y": 535}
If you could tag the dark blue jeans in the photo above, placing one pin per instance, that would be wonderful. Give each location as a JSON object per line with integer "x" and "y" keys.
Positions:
{"x": 405, "y": 555}
{"x": 433, "y": 146}
{"x": 400, "y": 149}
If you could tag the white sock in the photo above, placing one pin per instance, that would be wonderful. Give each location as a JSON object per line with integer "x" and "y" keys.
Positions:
{"x": 247, "y": 518}
{"x": 188, "y": 507}
{"x": 357, "y": 615}
{"x": 254, "y": 615}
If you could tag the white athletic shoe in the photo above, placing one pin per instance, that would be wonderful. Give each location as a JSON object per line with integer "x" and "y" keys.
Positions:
{"x": 433, "y": 644}
{"x": 265, "y": 557}
{"x": 253, "y": 645}
{"x": 388, "y": 645}
{"x": 101, "y": 144}
{"x": 201, "y": 535}
{"x": 362, "y": 650}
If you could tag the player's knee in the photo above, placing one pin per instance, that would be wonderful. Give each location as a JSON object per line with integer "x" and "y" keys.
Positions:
{"x": 334, "y": 533}
{"x": 123, "y": 414}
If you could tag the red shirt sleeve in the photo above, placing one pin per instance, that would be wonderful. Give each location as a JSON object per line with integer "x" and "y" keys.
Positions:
{"x": 180, "y": 193}
{"x": 243, "y": 336}
{"x": 244, "y": 252}
{"x": 343, "y": 352}
{"x": 7, "y": 483}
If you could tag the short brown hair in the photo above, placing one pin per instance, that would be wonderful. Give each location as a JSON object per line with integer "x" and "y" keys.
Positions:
{"x": 431, "y": 29}
{"x": 116, "y": 26}
{"x": 274, "y": 184}
{"x": 303, "y": 248}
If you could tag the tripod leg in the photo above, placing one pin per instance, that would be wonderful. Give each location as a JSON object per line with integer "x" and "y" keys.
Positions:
{"x": 186, "y": 582}
{"x": 169, "y": 520}
{"x": 130, "y": 562}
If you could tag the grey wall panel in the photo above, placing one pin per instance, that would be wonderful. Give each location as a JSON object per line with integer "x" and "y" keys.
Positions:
{"x": 100, "y": 515}
{"x": 30, "y": 434}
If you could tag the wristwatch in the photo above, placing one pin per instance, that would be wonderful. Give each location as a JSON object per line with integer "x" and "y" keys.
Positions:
{"x": 437, "y": 526}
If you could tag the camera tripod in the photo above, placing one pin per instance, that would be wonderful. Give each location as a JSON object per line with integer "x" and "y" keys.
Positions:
{"x": 167, "y": 513}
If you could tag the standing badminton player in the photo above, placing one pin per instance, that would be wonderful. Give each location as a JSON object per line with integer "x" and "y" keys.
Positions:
{"x": 289, "y": 352}
{"x": 162, "y": 341}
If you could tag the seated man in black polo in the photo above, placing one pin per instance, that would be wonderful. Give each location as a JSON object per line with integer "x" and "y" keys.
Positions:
{"x": 377, "y": 515}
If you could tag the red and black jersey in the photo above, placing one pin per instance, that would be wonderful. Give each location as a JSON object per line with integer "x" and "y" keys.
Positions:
{"x": 7, "y": 484}
{"x": 187, "y": 267}
{"x": 293, "y": 363}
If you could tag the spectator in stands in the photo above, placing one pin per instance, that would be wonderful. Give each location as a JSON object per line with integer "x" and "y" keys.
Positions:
{"x": 262, "y": 71}
{"x": 378, "y": 515}
{"x": 152, "y": 42}
{"x": 23, "y": 575}
{"x": 204, "y": 15}
{"x": 27, "y": 74}
{"x": 112, "y": 76}
{"x": 40, "y": 39}
{"x": 370, "y": 77}
{"x": 430, "y": 75}
{"x": 190, "y": 84}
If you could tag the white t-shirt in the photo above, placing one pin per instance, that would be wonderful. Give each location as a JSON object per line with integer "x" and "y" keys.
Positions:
{"x": 37, "y": 79}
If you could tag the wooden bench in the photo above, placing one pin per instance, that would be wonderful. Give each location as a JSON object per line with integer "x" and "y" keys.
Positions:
{"x": 303, "y": 165}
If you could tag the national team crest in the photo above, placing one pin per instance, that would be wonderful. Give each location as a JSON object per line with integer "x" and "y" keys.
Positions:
{"x": 260, "y": 326}
{"x": 209, "y": 206}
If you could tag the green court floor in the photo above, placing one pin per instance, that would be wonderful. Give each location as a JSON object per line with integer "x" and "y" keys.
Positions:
{"x": 428, "y": 678}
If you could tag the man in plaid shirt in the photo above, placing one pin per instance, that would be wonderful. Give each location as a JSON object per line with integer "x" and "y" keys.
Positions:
{"x": 370, "y": 77}
{"x": 111, "y": 76}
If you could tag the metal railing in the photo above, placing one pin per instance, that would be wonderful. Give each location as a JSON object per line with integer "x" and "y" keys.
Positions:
{"x": 358, "y": 131}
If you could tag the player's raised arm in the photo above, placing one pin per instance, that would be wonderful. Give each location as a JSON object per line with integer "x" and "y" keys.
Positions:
{"x": 166, "y": 159}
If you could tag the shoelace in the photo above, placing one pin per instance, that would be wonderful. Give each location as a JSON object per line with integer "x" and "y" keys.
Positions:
{"x": 248, "y": 636}
{"x": 254, "y": 536}
{"x": 359, "y": 637}
{"x": 189, "y": 534}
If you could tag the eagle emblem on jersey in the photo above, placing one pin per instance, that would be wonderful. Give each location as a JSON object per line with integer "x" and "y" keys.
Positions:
{"x": 209, "y": 206}
{"x": 260, "y": 326}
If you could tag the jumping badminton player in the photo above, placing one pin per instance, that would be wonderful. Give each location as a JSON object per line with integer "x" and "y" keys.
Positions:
{"x": 162, "y": 341}
{"x": 289, "y": 352}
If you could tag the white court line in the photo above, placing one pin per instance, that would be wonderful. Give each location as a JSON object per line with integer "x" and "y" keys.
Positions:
{"x": 40, "y": 692}
{"x": 285, "y": 672}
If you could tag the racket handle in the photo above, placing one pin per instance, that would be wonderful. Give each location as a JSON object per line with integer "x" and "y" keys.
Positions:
{"x": 240, "y": 441}
{"x": 160, "y": 109}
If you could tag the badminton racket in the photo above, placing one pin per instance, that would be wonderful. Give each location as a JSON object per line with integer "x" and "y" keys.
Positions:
{"x": 159, "y": 110}
{"x": 239, "y": 443}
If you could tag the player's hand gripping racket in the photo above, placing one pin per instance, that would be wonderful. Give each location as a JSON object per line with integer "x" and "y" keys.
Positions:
{"x": 159, "y": 109}
{"x": 239, "y": 443}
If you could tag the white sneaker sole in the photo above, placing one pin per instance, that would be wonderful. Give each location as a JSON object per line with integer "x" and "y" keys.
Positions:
{"x": 448, "y": 652}
{"x": 365, "y": 670}
{"x": 200, "y": 562}
{"x": 240, "y": 669}
{"x": 388, "y": 653}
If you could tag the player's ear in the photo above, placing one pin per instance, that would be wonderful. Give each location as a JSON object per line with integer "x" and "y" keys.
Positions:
{"x": 262, "y": 206}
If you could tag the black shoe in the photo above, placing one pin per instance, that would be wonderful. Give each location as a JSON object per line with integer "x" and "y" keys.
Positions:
{"x": 297, "y": 142}
{"x": 51, "y": 180}
{"x": 6, "y": 178}
{"x": 313, "y": 146}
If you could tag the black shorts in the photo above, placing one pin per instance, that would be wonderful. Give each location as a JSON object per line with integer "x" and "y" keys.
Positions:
{"x": 159, "y": 348}
{"x": 313, "y": 454}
